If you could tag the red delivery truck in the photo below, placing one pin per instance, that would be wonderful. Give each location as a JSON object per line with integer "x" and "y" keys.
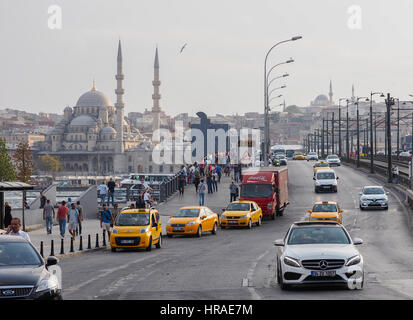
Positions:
{"x": 268, "y": 187}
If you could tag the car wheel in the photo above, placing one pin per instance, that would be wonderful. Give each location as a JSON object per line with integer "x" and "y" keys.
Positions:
{"x": 113, "y": 249}
{"x": 273, "y": 216}
{"x": 315, "y": 190}
{"x": 159, "y": 244}
{"x": 387, "y": 208}
{"x": 169, "y": 235}
{"x": 249, "y": 224}
{"x": 259, "y": 221}
{"x": 149, "y": 247}
{"x": 214, "y": 229}
{"x": 199, "y": 232}
{"x": 283, "y": 286}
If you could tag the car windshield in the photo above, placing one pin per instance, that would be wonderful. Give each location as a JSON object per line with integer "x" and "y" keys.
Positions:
{"x": 238, "y": 207}
{"x": 298, "y": 153}
{"x": 132, "y": 219}
{"x": 325, "y": 175}
{"x": 325, "y": 207}
{"x": 311, "y": 153}
{"x": 332, "y": 157}
{"x": 18, "y": 254}
{"x": 373, "y": 191}
{"x": 187, "y": 213}
{"x": 256, "y": 191}
{"x": 313, "y": 235}
{"x": 280, "y": 156}
{"x": 322, "y": 165}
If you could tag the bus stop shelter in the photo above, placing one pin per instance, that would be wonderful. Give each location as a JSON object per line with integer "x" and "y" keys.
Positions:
{"x": 11, "y": 186}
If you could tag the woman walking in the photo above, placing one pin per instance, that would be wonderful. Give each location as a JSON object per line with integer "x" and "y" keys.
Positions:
{"x": 7, "y": 215}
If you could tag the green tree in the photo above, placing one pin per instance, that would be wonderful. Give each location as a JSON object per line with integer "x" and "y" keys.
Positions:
{"x": 7, "y": 172}
{"x": 23, "y": 161}
{"x": 293, "y": 109}
{"x": 49, "y": 164}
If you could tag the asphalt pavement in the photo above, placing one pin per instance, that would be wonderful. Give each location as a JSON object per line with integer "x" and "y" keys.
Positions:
{"x": 239, "y": 263}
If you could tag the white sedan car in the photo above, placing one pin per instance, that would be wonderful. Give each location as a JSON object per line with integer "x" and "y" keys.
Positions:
{"x": 333, "y": 160}
{"x": 374, "y": 197}
{"x": 319, "y": 252}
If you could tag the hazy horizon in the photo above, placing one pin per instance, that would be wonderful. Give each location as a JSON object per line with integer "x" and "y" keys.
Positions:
{"x": 221, "y": 68}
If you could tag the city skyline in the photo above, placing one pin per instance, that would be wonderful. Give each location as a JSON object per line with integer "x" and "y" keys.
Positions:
{"x": 222, "y": 64}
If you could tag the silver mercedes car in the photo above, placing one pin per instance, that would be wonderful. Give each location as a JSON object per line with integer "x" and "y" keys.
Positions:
{"x": 319, "y": 252}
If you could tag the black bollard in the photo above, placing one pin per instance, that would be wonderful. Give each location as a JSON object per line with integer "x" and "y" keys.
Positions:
{"x": 89, "y": 243}
{"x": 41, "y": 249}
{"x": 52, "y": 248}
{"x": 62, "y": 246}
{"x": 81, "y": 244}
{"x": 71, "y": 245}
{"x": 97, "y": 240}
{"x": 104, "y": 238}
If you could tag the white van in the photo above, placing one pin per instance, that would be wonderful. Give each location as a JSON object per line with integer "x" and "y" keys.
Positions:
{"x": 325, "y": 180}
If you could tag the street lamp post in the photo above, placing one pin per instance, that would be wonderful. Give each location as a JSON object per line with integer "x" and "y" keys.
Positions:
{"x": 371, "y": 131}
{"x": 266, "y": 122}
{"x": 339, "y": 126}
{"x": 347, "y": 137}
{"x": 332, "y": 134}
{"x": 358, "y": 129}
{"x": 389, "y": 103}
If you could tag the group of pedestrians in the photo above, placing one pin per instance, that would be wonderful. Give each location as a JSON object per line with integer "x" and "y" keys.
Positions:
{"x": 68, "y": 213}
{"x": 107, "y": 192}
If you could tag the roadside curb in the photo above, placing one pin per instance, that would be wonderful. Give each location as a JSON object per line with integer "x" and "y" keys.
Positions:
{"x": 77, "y": 253}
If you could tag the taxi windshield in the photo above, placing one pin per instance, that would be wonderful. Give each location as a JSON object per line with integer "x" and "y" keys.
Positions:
{"x": 313, "y": 235}
{"x": 238, "y": 207}
{"x": 132, "y": 219}
{"x": 321, "y": 165}
{"x": 325, "y": 207}
{"x": 187, "y": 213}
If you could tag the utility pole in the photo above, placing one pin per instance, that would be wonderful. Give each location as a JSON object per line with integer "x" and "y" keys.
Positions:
{"x": 389, "y": 103}
{"x": 327, "y": 133}
{"x": 375, "y": 136}
{"x": 347, "y": 137}
{"x": 398, "y": 128}
{"x": 332, "y": 134}
{"x": 358, "y": 136}
{"x": 322, "y": 141}
{"x": 339, "y": 132}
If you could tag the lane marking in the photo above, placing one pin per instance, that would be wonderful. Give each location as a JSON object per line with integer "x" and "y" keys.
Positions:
{"x": 250, "y": 274}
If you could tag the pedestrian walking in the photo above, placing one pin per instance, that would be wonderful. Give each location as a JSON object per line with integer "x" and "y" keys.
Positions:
{"x": 81, "y": 217}
{"x": 233, "y": 191}
{"x": 148, "y": 198}
{"x": 395, "y": 174}
{"x": 61, "y": 216}
{"x": 48, "y": 215}
{"x": 14, "y": 229}
{"x": 197, "y": 180}
{"x": 103, "y": 190}
{"x": 106, "y": 219}
{"x": 115, "y": 212}
{"x": 215, "y": 181}
{"x": 209, "y": 182}
{"x": 218, "y": 170}
{"x": 73, "y": 220}
{"x": 7, "y": 215}
{"x": 181, "y": 183}
{"x": 111, "y": 191}
{"x": 202, "y": 193}
{"x": 42, "y": 200}
{"x": 140, "y": 202}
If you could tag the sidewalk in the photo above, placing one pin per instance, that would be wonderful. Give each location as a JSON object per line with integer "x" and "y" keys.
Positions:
{"x": 215, "y": 202}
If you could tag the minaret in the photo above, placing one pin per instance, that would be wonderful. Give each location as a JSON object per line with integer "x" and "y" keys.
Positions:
{"x": 330, "y": 94}
{"x": 353, "y": 97}
{"x": 119, "y": 105}
{"x": 156, "y": 110}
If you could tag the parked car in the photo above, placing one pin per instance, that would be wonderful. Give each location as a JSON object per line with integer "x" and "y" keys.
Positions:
{"x": 374, "y": 197}
{"x": 24, "y": 274}
{"x": 319, "y": 252}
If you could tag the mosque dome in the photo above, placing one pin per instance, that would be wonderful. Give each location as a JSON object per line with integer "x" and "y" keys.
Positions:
{"x": 321, "y": 100}
{"x": 83, "y": 120}
{"x": 108, "y": 130}
{"x": 93, "y": 98}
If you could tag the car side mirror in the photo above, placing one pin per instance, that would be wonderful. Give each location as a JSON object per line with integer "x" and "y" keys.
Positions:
{"x": 309, "y": 211}
{"x": 387, "y": 192}
{"x": 223, "y": 209}
{"x": 357, "y": 241}
{"x": 360, "y": 193}
{"x": 279, "y": 243}
{"x": 340, "y": 211}
{"x": 203, "y": 217}
{"x": 313, "y": 178}
{"x": 337, "y": 178}
{"x": 51, "y": 261}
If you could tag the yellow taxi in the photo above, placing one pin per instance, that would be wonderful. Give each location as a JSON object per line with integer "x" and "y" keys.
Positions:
{"x": 192, "y": 220}
{"x": 320, "y": 165}
{"x": 241, "y": 213}
{"x": 299, "y": 156}
{"x": 137, "y": 228}
{"x": 326, "y": 211}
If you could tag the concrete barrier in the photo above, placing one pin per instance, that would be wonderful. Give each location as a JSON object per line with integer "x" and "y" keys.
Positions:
{"x": 49, "y": 192}
{"x": 89, "y": 202}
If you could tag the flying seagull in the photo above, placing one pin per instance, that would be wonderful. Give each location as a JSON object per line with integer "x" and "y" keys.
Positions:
{"x": 182, "y": 49}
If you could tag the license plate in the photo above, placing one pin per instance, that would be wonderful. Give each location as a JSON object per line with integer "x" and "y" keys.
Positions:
{"x": 128, "y": 241}
{"x": 326, "y": 187}
{"x": 178, "y": 229}
{"x": 323, "y": 273}
{"x": 232, "y": 222}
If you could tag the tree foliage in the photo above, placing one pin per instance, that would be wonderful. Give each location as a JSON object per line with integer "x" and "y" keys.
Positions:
{"x": 23, "y": 161}
{"x": 293, "y": 109}
{"x": 7, "y": 172}
{"x": 49, "y": 164}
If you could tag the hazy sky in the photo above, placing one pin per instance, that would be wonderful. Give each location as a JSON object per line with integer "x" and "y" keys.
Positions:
{"x": 220, "y": 70}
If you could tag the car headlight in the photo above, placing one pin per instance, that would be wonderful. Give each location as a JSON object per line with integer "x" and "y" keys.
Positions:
{"x": 317, "y": 183}
{"x": 353, "y": 260}
{"x": 292, "y": 262}
{"x": 335, "y": 183}
{"x": 144, "y": 230}
{"x": 47, "y": 284}
{"x": 243, "y": 217}
{"x": 114, "y": 230}
{"x": 223, "y": 217}
{"x": 191, "y": 223}
{"x": 168, "y": 224}
{"x": 269, "y": 206}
